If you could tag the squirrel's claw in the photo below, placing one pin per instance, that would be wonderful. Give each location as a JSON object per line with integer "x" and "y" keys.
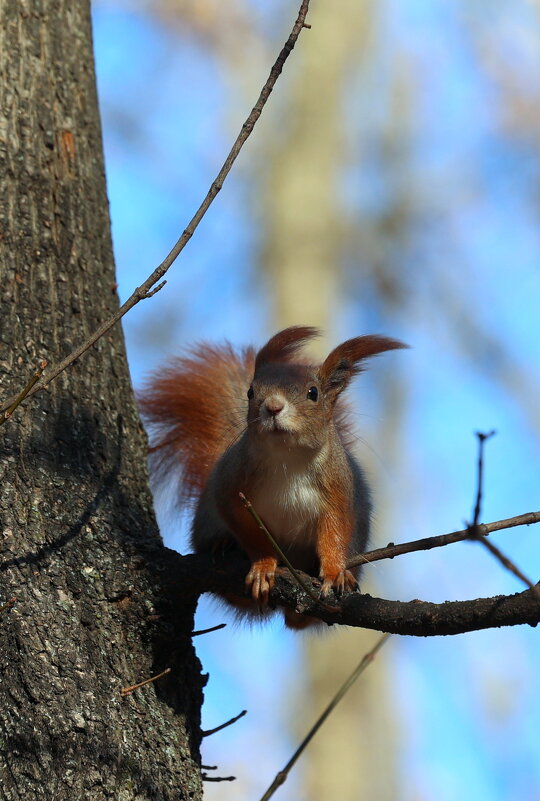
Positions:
{"x": 260, "y": 580}
{"x": 344, "y": 581}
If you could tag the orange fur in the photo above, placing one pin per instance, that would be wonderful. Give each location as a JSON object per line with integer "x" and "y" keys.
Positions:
{"x": 284, "y": 345}
{"x": 196, "y": 407}
{"x": 346, "y": 361}
{"x": 334, "y": 536}
{"x": 288, "y": 447}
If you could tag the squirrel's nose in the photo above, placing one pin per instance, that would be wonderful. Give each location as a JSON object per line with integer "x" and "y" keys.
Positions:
{"x": 274, "y": 405}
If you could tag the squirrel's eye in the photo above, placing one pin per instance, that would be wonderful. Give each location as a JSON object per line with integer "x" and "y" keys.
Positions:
{"x": 250, "y": 393}
{"x": 313, "y": 393}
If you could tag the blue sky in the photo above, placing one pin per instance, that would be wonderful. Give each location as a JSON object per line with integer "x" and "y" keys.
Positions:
{"x": 469, "y": 705}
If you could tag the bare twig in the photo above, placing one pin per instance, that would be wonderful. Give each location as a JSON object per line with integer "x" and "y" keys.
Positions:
{"x": 427, "y": 543}
{"x": 22, "y": 395}
{"x": 145, "y": 290}
{"x": 508, "y": 564}
{"x": 207, "y": 631}
{"x": 128, "y": 690}
{"x": 8, "y": 604}
{"x": 473, "y": 528}
{"x": 482, "y": 438}
{"x": 364, "y": 662}
{"x": 208, "y": 732}
{"x": 207, "y": 778}
{"x": 302, "y": 584}
{"x": 152, "y": 292}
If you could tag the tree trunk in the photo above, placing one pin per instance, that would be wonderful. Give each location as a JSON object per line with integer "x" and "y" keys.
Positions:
{"x": 78, "y": 531}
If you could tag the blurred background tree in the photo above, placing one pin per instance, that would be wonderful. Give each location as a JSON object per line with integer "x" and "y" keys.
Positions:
{"x": 392, "y": 186}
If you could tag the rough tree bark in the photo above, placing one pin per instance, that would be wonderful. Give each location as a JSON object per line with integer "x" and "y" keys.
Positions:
{"x": 77, "y": 524}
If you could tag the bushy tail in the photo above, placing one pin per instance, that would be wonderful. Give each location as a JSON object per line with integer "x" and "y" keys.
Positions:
{"x": 196, "y": 407}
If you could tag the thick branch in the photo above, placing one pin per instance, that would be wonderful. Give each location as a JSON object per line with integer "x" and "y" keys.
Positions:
{"x": 195, "y": 574}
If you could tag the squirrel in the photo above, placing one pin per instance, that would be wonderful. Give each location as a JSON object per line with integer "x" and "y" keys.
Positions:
{"x": 272, "y": 426}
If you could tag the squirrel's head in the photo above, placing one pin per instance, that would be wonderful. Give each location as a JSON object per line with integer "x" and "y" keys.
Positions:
{"x": 292, "y": 402}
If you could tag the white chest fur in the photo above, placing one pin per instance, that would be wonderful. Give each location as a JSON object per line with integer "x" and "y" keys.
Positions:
{"x": 288, "y": 501}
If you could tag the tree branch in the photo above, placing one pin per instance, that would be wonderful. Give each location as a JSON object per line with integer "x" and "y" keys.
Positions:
{"x": 427, "y": 543}
{"x": 366, "y": 660}
{"x": 18, "y": 399}
{"x": 208, "y": 732}
{"x": 198, "y": 573}
{"x": 420, "y": 618}
{"x": 146, "y": 290}
{"x": 472, "y": 528}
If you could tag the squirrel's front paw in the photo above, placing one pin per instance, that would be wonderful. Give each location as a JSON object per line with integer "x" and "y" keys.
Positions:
{"x": 260, "y": 580}
{"x": 343, "y": 581}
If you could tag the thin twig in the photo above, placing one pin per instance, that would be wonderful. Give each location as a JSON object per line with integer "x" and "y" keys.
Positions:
{"x": 145, "y": 289}
{"x": 128, "y": 690}
{"x": 427, "y": 543}
{"x": 364, "y": 662}
{"x": 152, "y": 292}
{"x": 208, "y": 732}
{"x": 8, "y": 604}
{"x": 22, "y": 395}
{"x": 207, "y": 778}
{"x": 302, "y": 584}
{"x": 207, "y": 631}
{"x": 508, "y": 564}
{"x": 473, "y": 528}
{"x": 482, "y": 438}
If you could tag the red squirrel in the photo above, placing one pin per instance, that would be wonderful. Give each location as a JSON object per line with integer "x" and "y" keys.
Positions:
{"x": 272, "y": 426}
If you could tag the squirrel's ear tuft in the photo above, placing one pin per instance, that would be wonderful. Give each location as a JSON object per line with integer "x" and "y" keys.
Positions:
{"x": 345, "y": 361}
{"x": 282, "y": 347}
